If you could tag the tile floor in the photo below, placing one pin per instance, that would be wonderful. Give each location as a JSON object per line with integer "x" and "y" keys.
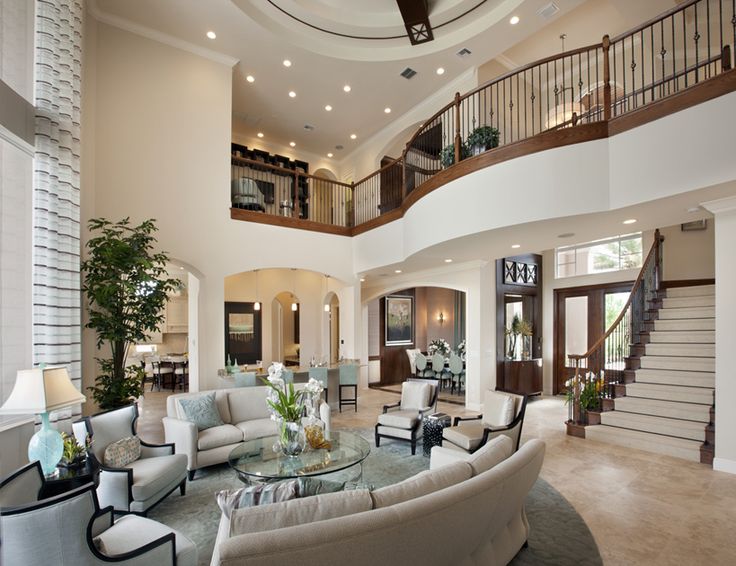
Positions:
{"x": 642, "y": 508}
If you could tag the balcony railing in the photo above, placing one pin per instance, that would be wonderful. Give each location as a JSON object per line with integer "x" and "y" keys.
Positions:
{"x": 597, "y": 84}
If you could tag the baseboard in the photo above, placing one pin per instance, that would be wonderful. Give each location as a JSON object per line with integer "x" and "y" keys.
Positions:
{"x": 724, "y": 465}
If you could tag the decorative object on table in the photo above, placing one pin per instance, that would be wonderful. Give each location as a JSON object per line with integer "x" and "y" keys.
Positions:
{"x": 482, "y": 139}
{"x": 439, "y": 346}
{"x": 314, "y": 428}
{"x": 74, "y": 455}
{"x": 433, "y": 425}
{"x": 447, "y": 155}
{"x": 41, "y": 391}
{"x": 287, "y": 408}
{"x": 243, "y": 336}
{"x": 127, "y": 287}
{"x": 523, "y": 328}
{"x": 461, "y": 349}
{"x": 399, "y": 320}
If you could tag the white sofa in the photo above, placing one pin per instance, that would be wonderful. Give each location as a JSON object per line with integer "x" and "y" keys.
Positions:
{"x": 245, "y": 414}
{"x": 462, "y": 514}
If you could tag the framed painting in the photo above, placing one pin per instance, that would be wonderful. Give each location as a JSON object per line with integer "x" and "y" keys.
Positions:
{"x": 242, "y": 333}
{"x": 399, "y": 320}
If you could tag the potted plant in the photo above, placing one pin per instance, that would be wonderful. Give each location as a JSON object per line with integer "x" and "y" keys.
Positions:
{"x": 482, "y": 139}
{"x": 447, "y": 155}
{"x": 127, "y": 287}
{"x": 74, "y": 455}
{"x": 286, "y": 405}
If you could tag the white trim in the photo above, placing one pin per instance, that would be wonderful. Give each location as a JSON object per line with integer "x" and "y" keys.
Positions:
{"x": 727, "y": 204}
{"x": 155, "y": 35}
{"x": 20, "y": 143}
{"x": 724, "y": 465}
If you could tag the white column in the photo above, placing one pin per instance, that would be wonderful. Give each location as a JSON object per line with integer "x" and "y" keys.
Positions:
{"x": 480, "y": 374}
{"x": 725, "y": 236}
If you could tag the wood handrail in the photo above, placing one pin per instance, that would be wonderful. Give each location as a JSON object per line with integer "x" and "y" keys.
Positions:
{"x": 658, "y": 239}
{"x": 656, "y": 19}
{"x": 378, "y": 171}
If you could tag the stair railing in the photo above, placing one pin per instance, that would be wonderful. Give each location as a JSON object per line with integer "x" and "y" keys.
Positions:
{"x": 601, "y": 368}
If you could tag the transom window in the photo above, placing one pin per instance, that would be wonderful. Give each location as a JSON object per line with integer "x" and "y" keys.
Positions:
{"x": 609, "y": 254}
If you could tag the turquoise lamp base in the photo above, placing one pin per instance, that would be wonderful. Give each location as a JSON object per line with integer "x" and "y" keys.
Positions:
{"x": 47, "y": 447}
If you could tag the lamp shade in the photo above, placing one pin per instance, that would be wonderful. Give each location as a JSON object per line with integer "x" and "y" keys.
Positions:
{"x": 41, "y": 390}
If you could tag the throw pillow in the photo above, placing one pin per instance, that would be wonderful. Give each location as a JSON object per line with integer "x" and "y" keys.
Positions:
{"x": 201, "y": 410}
{"x": 121, "y": 453}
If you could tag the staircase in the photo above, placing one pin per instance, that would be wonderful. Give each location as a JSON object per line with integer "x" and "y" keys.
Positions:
{"x": 665, "y": 404}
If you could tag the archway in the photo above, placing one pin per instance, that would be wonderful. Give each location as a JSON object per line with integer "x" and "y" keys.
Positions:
{"x": 332, "y": 312}
{"x": 285, "y": 328}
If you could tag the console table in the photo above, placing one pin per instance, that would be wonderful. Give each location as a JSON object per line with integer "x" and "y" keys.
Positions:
{"x": 522, "y": 376}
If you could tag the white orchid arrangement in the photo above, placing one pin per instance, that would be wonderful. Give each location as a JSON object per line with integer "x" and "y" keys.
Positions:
{"x": 284, "y": 401}
{"x": 461, "y": 348}
{"x": 439, "y": 346}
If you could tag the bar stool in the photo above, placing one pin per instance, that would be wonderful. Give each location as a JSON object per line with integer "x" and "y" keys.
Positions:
{"x": 320, "y": 374}
{"x": 348, "y": 378}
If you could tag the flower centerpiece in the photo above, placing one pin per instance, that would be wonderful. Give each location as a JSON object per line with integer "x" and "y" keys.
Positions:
{"x": 461, "y": 349}
{"x": 314, "y": 428}
{"x": 439, "y": 346}
{"x": 287, "y": 408}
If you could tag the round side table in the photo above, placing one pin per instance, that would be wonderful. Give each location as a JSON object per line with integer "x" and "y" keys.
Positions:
{"x": 432, "y": 431}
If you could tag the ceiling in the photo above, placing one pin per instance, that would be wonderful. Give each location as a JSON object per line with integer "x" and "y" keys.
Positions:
{"x": 260, "y": 36}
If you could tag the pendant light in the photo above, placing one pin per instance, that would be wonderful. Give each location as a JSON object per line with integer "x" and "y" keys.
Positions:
{"x": 294, "y": 306}
{"x": 257, "y": 304}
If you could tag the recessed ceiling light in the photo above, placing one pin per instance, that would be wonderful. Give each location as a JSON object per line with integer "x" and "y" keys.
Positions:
{"x": 397, "y": 271}
{"x": 515, "y": 246}
{"x": 630, "y": 221}
{"x": 287, "y": 63}
{"x": 514, "y": 20}
{"x": 211, "y": 34}
{"x": 328, "y": 108}
{"x": 329, "y": 155}
{"x": 292, "y": 144}
{"x": 387, "y": 110}
{"x": 440, "y": 71}
{"x": 353, "y": 136}
{"x": 260, "y": 134}
{"x": 292, "y": 94}
{"x": 362, "y": 279}
{"x": 347, "y": 88}
{"x": 250, "y": 79}
{"x": 694, "y": 209}
{"x": 448, "y": 260}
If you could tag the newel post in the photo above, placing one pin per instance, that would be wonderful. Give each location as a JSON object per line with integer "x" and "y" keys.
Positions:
{"x": 606, "y": 78}
{"x": 458, "y": 154}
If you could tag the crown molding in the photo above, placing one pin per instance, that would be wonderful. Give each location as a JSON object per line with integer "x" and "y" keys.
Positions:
{"x": 155, "y": 35}
{"x": 727, "y": 204}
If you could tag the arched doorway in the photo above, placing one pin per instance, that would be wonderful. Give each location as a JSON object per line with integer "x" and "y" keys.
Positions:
{"x": 332, "y": 311}
{"x": 285, "y": 328}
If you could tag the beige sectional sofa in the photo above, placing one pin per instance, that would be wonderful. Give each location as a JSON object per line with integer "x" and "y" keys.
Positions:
{"x": 465, "y": 513}
{"x": 245, "y": 414}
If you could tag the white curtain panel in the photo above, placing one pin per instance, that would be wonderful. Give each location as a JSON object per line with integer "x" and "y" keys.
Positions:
{"x": 56, "y": 244}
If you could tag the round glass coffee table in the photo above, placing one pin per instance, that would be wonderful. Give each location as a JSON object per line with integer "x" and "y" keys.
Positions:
{"x": 257, "y": 461}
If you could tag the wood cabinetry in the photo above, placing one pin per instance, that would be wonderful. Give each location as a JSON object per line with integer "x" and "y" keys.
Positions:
{"x": 177, "y": 315}
{"x": 522, "y": 376}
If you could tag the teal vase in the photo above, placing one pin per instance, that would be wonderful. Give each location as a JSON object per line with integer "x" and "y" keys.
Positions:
{"x": 46, "y": 446}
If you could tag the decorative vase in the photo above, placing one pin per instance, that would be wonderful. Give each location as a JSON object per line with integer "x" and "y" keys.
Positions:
{"x": 526, "y": 347}
{"x": 291, "y": 438}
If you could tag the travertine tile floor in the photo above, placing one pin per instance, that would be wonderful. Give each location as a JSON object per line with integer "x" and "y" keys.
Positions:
{"x": 642, "y": 508}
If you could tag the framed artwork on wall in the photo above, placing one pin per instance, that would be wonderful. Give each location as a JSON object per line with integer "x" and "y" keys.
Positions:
{"x": 242, "y": 333}
{"x": 399, "y": 320}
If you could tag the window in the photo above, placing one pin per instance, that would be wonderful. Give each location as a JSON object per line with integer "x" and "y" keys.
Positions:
{"x": 599, "y": 256}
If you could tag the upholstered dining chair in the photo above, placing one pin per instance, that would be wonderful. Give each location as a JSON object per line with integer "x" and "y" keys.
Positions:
{"x": 320, "y": 374}
{"x": 411, "y": 353}
{"x": 348, "y": 378}
{"x": 420, "y": 362}
{"x": 403, "y": 420}
{"x": 503, "y": 413}
{"x": 157, "y": 371}
{"x": 142, "y": 483}
{"x": 457, "y": 372}
{"x": 245, "y": 379}
{"x": 287, "y": 375}
{"x": 180, "y": 366}
{"x": 71, "y": 530}
{"x": 438, "y": 367}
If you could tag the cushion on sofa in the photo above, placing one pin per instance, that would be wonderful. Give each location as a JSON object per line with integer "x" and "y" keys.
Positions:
{"x": 201, "y": 410}
{"x": 218, "y": 436}
{"x": 399, "y": 419}
{"x": 495, "y": 451}
{"x": 246, "y": 403}
{"x": 122, "y": 452}
{"x": 299, "y": 511}
{"x": 467, "y": 435}
{"x": 151, "y": 475}
{"x": 257, "y": 428}
{"x": 421, "y": 484}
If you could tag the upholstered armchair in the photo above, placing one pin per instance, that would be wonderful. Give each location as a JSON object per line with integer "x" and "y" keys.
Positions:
{"x": 71, "y": 530}
{"x": 403, "y": 420}
{"x": 140, "y": 484}
{"x": 503, "y": 414}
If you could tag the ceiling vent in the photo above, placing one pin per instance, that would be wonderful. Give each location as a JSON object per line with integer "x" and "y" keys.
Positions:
{"x": 408, "y": 73}
{"x": 548, "y": 11}
{"x": 339, "y": 147}
{"x": 308, "y": 127}
{"x": 464, "y": 52}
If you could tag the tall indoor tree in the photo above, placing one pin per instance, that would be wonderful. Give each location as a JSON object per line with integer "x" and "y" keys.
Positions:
{"x": 127, "y": 285}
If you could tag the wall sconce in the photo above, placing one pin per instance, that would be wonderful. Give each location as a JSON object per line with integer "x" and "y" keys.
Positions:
{"x": 441, "y": 318}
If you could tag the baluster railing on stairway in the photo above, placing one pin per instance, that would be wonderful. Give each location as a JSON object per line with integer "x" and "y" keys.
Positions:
{"x": 601, "y": 368}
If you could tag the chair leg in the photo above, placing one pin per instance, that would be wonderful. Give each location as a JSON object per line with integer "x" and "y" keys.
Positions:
{"x": 413, "y": 447}
{"x": 183, "y": 488}
{"x": 355, "y": 403}
{"x": 191, "y": 473}
{"x": 378, "y": 441}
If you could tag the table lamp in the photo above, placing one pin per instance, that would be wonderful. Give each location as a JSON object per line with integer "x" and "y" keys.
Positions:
{"x": 40, "y": 391}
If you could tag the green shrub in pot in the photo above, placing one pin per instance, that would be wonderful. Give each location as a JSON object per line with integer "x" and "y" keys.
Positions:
{"x": 483, "y": 138}
{"x": 447, "y": 155}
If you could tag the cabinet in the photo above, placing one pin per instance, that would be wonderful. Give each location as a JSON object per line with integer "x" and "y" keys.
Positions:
{"x": 177, "y": 315}
{"x": 522, "y": 376}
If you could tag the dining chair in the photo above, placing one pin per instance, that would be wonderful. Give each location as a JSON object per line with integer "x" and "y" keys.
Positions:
{"x": 457, "y": 372}
{"x": 158, "y": 370}
{"x": 438, "y": 367}
{"x": 421, "y": 364}
{"x": 320, "y": 374}
{"x": 181, "y": 371}
{"x": 245, "y": 379}
{"x": 348, "y": 378}
{"x": 287, "y": 375}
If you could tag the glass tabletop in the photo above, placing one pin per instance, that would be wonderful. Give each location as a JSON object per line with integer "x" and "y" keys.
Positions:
{"x": 257, "y": 460}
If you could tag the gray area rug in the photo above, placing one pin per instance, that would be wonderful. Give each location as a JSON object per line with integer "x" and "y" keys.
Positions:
{"x": 559, "y": 536}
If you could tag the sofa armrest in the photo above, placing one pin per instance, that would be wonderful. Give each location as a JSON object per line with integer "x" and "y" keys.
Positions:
{"x": 386, "y": 408}
{"x": 184, "y": 435}
{"x": 102, "y": 521}
{"x": 441, "y": 456}
{"x": 115, "y": 487}
{"x": 153, "y": 450}
{"x": 458, "y": 419}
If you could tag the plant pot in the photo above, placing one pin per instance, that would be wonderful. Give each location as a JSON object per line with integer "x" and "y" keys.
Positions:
{"x": 76, "y": 464}
{"x": 292, "y": 438}
{"x": 478, "y": 149}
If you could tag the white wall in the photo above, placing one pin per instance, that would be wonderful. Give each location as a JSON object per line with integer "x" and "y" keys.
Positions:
{"x": 688, "y": 255}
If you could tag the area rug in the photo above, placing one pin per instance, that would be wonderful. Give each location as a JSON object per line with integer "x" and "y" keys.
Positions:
{"x": 559, "y": 536}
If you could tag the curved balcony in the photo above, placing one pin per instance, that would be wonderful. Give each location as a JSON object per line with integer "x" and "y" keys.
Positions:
{"x": 679, "y": 59}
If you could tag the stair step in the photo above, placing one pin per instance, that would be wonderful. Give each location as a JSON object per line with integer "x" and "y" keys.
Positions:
{"x": 673, "y": 377}
{"x": 687, "y": 312}
{"x": 678, "y": 363}
{"x": 680, "y": 337}
{"x": 679, "y": 393}
{"x": 679, "y": 350}
{"x": 685, "y": 324}
{"x": 696, "y": 301}
{"x": 669, "y": 409}
{"x": 657, "y": 425}
{"x": 695, "y": 290}
{"x": 670, "y": 446}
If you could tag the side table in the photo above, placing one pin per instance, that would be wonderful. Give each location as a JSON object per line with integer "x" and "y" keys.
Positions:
{"x": 432, "y": 431}
{"x": 71, "y": 478}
